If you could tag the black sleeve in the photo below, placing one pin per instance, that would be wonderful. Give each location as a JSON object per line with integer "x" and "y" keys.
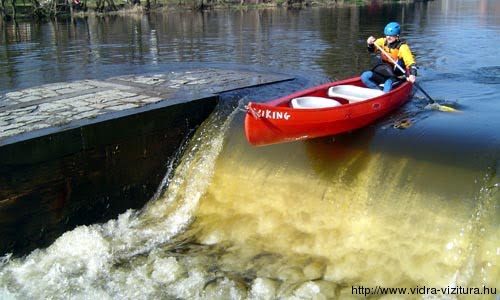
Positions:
{"x": 371, "y": 48}
{"x": 413, "y": 70}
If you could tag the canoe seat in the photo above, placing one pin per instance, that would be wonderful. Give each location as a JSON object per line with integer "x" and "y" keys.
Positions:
{"x": 313, "y": 102}
{"x": 353, "y": 93}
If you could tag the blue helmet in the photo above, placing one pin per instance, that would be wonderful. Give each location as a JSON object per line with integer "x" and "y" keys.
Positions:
{"x": 392, "y": 28}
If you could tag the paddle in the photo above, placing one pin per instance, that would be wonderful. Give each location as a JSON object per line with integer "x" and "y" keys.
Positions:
{"x": 433, "y": 102}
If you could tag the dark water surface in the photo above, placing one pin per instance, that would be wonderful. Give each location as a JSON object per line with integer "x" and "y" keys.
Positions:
{"x": 375, "y": 207}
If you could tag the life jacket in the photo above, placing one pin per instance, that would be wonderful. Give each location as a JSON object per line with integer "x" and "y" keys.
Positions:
{"x": 392, "y": 50}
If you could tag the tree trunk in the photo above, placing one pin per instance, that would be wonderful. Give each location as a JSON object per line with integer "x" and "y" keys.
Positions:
{"x": 14, "y": 12}
{"x": 3, "y": 11}
{"x": 70, "y": 3}
{"x": 99, "y": 5}
{"x": 111, "y": 5}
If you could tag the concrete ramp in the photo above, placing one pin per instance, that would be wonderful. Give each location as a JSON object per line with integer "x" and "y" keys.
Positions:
{"x": 82, "y": 152}
{"x": 54, "y": 107}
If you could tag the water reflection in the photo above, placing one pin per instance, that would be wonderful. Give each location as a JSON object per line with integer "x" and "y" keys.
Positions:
{"x": 321, "y": 40}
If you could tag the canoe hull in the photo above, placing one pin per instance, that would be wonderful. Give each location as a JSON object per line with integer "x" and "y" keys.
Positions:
{"x": 276, "y": 122}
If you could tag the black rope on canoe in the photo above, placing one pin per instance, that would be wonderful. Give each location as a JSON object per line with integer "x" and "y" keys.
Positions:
{"x": 252, "y": 110}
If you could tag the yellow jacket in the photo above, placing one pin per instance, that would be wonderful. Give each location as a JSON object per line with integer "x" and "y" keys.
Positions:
{"x": 398, "y": 50}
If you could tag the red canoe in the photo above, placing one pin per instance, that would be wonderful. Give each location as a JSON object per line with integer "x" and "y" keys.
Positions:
{"x": 324, "y": 110}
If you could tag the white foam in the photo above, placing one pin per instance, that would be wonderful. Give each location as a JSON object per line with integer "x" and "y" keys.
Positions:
{"x": 262, "y": 289}
{"x": 78, "y": 258}
{"x": 166, "y": 270}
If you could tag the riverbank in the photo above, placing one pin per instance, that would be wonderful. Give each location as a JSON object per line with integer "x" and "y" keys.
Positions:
{"x": 77, "y": 8}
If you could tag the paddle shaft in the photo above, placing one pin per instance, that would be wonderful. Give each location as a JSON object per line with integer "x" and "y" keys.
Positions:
{"x": 404, "y": 71}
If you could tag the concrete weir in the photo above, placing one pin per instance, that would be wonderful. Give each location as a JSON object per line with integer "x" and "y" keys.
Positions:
{"x": 82, "y": 152}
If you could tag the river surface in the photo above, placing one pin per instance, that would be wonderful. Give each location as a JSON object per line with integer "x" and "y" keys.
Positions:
{"x": 323, "y": 219}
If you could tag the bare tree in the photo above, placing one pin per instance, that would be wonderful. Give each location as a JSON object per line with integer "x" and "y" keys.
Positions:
{"x": 101, "y": 5}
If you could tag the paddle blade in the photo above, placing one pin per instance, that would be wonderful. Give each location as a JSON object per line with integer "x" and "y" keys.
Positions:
{"x": 436, "y": 106}
{"x": 447, "y": 108}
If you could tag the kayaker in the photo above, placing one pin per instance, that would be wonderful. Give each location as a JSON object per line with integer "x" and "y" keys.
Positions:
{"x": 386, "y": 72}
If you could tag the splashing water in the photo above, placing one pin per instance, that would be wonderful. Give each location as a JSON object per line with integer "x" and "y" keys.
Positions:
{"x": 300, "y": 231}
{"x": 91, "y": 262}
